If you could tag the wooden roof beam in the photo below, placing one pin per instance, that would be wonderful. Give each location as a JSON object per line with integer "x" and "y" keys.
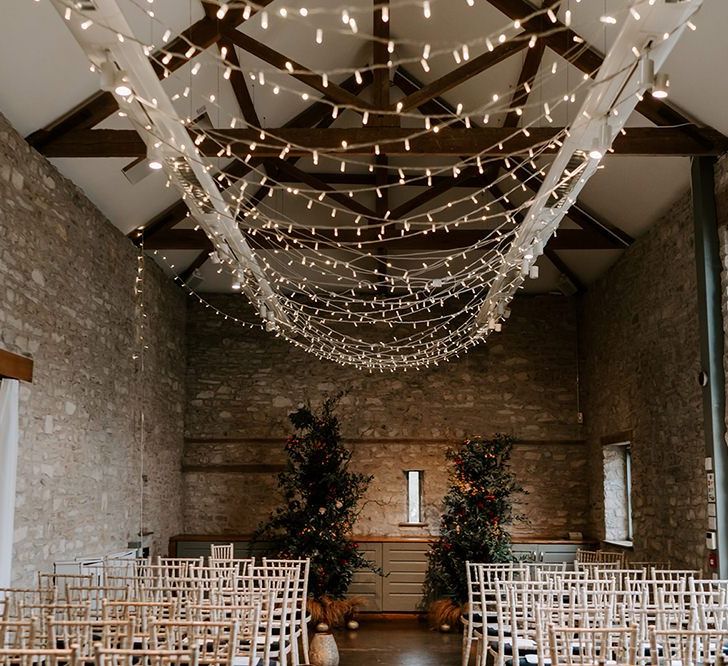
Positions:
{"x": 330, "y": 91}
{"x": 648, "y": 141}
{"x": 560, "y": 39}
{"x": 197, "y": 263}
{"x": 529, "y": 70}
{"x": 89, "y": 113}
{"x": 313, "y": 181}
{"x": 561, "y": 266}
{"x": 189, "y": 239}
{"x": 239, "y": 85}
{"x": 461, "y": 74}
{"x": 314, "y": 114}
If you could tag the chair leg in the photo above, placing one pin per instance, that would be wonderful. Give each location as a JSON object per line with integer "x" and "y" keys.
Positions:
{"x": 294, "y": 649}
{"x": 304, "y": 641}
{"x": 484, "y": 652}
{"x": 467, "y": 644}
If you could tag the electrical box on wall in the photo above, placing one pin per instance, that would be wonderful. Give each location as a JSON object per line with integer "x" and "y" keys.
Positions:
{"x": 711, "y": 543}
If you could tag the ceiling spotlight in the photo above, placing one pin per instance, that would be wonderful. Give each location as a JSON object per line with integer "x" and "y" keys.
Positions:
{"x": 660, "y": 89}
{"x": 154, "y": 158}
{"x": 236, "y": 286}
{"x": 113, "y": 79}
{"x": 601, "y": 143}
{"x": 596, "y": 152}
{"x": 122, "y": 89}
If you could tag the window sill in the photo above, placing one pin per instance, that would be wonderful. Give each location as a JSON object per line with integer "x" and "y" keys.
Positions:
{"x": 621, "y": 544}
{"x": 413, "y": 524}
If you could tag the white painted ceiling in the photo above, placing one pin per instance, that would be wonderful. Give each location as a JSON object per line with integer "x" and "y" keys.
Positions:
{"x": 44, "y": 74}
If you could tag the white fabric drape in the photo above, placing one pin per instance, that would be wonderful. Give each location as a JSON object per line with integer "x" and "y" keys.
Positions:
{"x": 9, "y": 390}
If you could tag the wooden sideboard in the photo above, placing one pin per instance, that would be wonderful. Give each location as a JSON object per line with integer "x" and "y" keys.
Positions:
{"x": 402, "y": 559}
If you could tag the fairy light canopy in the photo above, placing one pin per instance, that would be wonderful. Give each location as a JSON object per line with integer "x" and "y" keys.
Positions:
{"x": 389, "y": 221}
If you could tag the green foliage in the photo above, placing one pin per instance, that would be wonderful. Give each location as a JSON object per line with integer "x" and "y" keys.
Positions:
{"x": 321, "y": 500}
{"x": 477, "y": 510}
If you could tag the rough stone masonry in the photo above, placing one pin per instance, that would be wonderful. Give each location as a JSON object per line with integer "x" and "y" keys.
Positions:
{"x": 66, "y": 299}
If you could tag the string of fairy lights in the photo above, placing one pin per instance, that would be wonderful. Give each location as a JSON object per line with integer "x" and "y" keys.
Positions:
{"x": 354, "y": 278}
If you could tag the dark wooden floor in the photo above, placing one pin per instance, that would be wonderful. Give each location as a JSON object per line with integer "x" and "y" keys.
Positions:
{"x": 399, "y": 642}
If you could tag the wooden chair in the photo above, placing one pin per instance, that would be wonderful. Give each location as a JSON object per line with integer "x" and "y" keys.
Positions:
{"x": 217, "y": 641}
{"x": 221, "y": 551}
{"x": 255, "y": 636}
{"x": 109, "y": 657}
{"x": 20, "y": 634}
{"x": 688, "y": 647}
{"x": 43, "y": 613}
{"x": 110, "y": 634}
{"x": 34, "y": 657}
{"x": 561, "y": 614}
{"x": 62, "y": 581}
{"x": 11, "y": 598}
{"x": 481, "y": 610}
{"x": 299, "y": 569}
{"x": 593, "y": 646}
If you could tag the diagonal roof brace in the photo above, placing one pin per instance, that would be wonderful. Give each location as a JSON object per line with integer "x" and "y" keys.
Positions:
{"x": 651, "y": 30}
{"x": 151, "y": 111}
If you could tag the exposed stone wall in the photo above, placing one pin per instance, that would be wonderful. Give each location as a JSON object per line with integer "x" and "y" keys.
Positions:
{"x": 66, "y": 298}
{"x": 554, "y": 476}
{"x": 242, "y": 384}
{"x": 641, "y": 358}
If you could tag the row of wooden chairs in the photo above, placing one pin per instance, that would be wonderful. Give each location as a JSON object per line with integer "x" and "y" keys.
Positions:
{"x": 164, "y": 604}
{"x": 72, "y": 656}
{"x": 512, "y": 605}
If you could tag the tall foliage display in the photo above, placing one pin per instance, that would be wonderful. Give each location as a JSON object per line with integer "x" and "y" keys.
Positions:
{"x": 321, "y": 501}
{"x": 478, "y": 509}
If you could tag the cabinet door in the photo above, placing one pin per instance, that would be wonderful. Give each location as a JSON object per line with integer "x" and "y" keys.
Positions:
{"x": 405, "y": 564}
{"x": 366, "y": 583}
{"x": 526, "y": 551}
{"x": 558, "y": 552}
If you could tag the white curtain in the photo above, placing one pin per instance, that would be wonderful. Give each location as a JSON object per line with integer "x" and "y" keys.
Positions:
{"x": 8, "y": 467}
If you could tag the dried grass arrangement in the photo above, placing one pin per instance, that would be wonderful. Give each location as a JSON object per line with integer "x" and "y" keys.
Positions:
{"x": 444, "y": 612}
{"x": 334, "y": 612}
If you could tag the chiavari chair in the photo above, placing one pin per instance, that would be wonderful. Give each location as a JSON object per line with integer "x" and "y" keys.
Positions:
{"x": 278, "y": 609}
{"x": 43, "y": 613}
{"x": 533, "y": 570}
{"x": 62, "y": 581}
{"x": 566, "y": 615}
{"x": 688, "y": 648}
{"x": 140, "y": 614}
{"x": 709, "y": 607}
{"x": 583, "y": 555}
{"x": 300, "y": 570}
{"x": 217, "y": 641}
{"x": 515, "y": 603}
{"x": 177, "y": 567}
{"x": 592, "y": 646}
{"x": 116, "y": 634}
{"x": 480, "y": 611}
{"x": 221, "y": 551}
{"x": 36, "y": 656}
{"x": 11, "y": 599}
{"x": 23, "y": 634}
{"x": 93, "y": 597}
{"x": 253, "y": 638}
{"x": 146, "y": 657}
{"x": 674, "y": 611}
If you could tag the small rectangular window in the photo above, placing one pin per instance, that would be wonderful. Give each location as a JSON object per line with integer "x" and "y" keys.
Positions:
{"x": 618, "y": 492}
{"x": 414, "y": 496}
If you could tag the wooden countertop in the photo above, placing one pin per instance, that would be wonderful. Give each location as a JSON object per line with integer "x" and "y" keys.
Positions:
{"x": 370, "y": 538}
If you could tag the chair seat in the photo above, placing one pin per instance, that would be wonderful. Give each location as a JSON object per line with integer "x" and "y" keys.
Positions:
{"x": 477, "y": 618}
{"x": 527, "y": 660}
